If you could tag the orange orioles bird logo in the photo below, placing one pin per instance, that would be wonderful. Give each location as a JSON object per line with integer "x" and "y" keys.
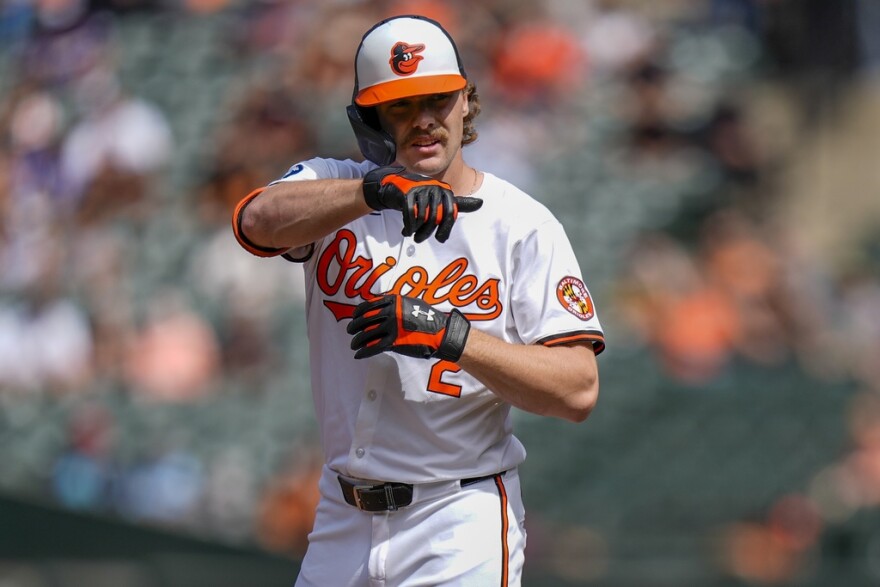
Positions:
{"x": 574, "y": 297}
{"x": 405, "y": 58}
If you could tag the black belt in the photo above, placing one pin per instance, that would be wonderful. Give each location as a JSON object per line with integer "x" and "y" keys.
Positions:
{"x": 387, "y": 497}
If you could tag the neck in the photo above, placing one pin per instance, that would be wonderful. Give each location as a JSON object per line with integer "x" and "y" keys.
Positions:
{"x": 463, "y": 178}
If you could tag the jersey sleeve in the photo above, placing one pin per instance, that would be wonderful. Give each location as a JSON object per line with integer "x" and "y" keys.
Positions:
{"x": 550, "y": 302}
{"x": 319, "y": 168}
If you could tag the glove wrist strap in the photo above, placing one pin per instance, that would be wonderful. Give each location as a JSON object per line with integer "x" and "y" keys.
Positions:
{"x": 457, "y": 330}
{"x": 371, "y": 186}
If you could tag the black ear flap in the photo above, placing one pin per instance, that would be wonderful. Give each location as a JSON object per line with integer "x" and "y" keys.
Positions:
{"x": 376, "y": 145}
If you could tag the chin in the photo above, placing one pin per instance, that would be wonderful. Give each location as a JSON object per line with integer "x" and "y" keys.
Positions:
{"x": 429, "y": 167}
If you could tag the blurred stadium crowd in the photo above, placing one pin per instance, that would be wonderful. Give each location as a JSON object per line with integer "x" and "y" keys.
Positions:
{"x": 151, "y": 369}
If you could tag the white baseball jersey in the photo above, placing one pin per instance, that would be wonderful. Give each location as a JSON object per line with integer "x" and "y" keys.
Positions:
{"x": 508, "y": 267}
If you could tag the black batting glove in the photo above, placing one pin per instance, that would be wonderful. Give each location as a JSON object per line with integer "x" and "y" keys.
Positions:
{"x": 407, "y": 326}
{"x": 428, "y": 205}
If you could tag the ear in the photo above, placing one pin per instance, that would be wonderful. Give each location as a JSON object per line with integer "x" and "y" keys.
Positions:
{"x": 466, "y": 104}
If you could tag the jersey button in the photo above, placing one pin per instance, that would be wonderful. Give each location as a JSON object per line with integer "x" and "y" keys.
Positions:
{"x": 360, "y": 453}
{"x": 371, "y": 395}
{"x": 410, "y": 250}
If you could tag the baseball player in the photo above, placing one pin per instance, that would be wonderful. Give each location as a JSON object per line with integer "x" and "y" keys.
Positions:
{"x": 438, "y": 296}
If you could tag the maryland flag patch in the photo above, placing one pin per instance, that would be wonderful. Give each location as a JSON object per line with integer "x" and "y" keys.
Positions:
{"x": 574, "y": 297}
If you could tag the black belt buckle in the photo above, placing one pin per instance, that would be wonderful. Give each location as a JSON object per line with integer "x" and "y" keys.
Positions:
{"x": 384, "y": 497}
{"x": 389, "y": 504}
{"x": 356, "y": 493}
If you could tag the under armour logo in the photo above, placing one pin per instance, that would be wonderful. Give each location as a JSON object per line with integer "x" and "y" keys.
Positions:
{"x": 429, "y": 315}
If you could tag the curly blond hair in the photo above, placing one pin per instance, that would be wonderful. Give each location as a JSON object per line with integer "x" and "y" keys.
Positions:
{"x": 473, "y": 98}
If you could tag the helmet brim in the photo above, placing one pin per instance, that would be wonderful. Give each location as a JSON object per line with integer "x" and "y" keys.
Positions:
{"x": 409, "y": 87}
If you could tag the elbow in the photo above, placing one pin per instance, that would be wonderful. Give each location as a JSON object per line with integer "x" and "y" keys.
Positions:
{"x": 579, "y": 412}
{"x": 261, "y": 224}
{"x": 248, "y": 224}
{"x": 252, "y": 223}
{"x": 583, "y": 402}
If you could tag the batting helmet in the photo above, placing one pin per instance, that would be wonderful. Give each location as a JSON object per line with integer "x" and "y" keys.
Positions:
{"x": 402, "y": 56}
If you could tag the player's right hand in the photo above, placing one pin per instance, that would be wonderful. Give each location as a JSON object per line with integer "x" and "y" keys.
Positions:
{"x": 428, "y": 205}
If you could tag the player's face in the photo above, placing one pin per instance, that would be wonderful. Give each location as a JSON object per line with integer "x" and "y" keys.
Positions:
{"x": 427, "y": 130}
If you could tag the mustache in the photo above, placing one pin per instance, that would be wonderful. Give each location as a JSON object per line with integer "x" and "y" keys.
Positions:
{"x": 438, "y": 134}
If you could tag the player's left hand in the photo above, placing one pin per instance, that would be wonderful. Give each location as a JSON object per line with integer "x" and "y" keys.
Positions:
{"x": 407, "y": 326}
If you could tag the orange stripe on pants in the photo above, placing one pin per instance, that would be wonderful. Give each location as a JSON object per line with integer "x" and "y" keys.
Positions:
{"x": 505, "y": 523}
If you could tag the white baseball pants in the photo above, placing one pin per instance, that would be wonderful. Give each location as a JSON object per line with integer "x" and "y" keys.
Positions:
{"x": 449, "y": 536}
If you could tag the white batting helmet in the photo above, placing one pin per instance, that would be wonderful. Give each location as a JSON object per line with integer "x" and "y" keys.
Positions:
{"x": 402, "y": 56}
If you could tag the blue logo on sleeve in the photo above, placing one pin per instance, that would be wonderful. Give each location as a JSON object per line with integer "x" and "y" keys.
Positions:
{"x": 294, "y": 170}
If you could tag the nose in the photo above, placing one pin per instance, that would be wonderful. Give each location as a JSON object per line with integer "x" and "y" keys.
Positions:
{"x": 424, "y": 116}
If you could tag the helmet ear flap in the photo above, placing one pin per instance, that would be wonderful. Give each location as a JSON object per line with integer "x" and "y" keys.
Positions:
{"x": 375, "y": 144}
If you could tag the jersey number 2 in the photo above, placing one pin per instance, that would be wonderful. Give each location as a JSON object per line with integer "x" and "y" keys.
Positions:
{"x": 436, "y": 383}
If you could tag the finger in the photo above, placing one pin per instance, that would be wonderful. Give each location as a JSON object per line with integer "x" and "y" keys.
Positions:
{"x": 423, "y": 204}
{"x": 410, "y": 214}
{"x": 434, "y": 202}
{"x": 366, "y": 322}
{"x": 466, "y": 204}
{"x": 370, "y": 336}
{"x": 374, "y": 304}
{"x": 429, "y": 209}
{"x": 369, "y": 351}
{"x": 447, "y": 219}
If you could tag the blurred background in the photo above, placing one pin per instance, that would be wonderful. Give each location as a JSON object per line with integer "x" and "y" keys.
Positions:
{"x": 714, "y": 162}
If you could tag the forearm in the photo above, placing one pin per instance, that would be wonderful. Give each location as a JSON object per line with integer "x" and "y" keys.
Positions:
{"x": 294, "y": 214}
{"x": 561, "y": 381}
